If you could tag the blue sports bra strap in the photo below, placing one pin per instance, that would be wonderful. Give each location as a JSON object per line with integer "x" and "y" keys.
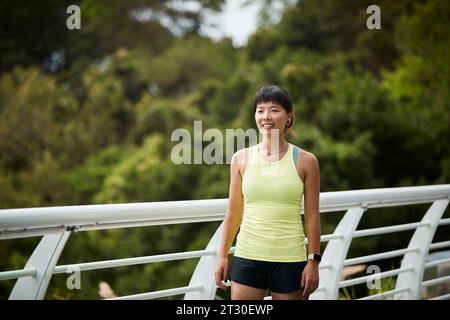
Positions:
{"x": 295, "y": 155}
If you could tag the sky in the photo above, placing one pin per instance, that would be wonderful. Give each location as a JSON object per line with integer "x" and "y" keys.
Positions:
{"x": 234, "y": 21}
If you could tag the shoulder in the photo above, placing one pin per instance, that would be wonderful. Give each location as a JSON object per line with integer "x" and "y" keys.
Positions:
{"x": 308, "y": 158}
{"x": 240, "y": 155}
{"x": 307, "y": 162}
{"x": 240, "y": 159}
{"x": 310, "y": 165}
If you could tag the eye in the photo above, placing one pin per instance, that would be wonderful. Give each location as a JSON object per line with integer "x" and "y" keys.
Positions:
{"x": 258, "y": 111}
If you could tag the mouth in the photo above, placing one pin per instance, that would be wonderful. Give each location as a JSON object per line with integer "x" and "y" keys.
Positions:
{"x": 267, "y": 126}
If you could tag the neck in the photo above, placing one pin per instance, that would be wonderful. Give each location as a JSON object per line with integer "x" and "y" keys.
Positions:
{"x": 272, "y": 144}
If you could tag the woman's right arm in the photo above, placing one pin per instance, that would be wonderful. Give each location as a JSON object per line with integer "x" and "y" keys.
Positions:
{"x": 233, "y": 219}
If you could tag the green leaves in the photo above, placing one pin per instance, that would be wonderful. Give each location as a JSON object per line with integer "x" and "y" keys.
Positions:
{"x": 373, "y": 106}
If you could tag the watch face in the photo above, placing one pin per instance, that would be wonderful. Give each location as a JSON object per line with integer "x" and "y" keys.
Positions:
{"x": 314, "y": 256}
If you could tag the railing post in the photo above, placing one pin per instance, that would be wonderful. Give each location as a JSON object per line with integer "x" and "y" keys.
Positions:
{"x": 421, "y": 239}
{"x": 43, "y": 259}
{"x": 204, "y": 272}
{"x": 334, "y": 255}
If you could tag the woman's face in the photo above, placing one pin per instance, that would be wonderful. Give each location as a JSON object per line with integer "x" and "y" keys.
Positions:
{"x": 270, "y": 116}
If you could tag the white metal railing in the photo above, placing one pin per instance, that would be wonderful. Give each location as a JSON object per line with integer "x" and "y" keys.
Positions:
{"x": 133, "y": 261}
{"x": 56, "y": 224}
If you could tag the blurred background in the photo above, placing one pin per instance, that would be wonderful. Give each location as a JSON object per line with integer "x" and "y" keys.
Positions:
{"x": 86, "y": 115}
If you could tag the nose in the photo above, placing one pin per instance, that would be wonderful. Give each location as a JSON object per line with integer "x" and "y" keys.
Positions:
{"x": 266, "y": 115}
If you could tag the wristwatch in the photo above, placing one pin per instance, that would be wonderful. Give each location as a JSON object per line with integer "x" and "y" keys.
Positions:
{"x": 315, "y": 257}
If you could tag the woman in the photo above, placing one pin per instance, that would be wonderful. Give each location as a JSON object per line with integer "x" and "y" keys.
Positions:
{"x": 267, "y": 183}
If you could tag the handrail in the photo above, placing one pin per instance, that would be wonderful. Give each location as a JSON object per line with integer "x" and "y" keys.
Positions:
{"x": 56, "y": 224}
{"x": 439, "y": 245}
{"x": 133, "y": 261}
{"x": 385, "y": 294}
{"x": 159, "y": 294}
{"x": 390, "y": 229}
{"x": 443, "y": 297}
{"x": 378, "y": 256}
{"x": 435, "y": 281}
{"x": 436, "y": 263}
{"x": 16, "y": 223}
{"x": 359, "y": 280}
{"x": 14, "y": 274}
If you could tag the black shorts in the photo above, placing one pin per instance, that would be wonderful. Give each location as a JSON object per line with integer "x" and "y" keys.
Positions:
{"x": 279, "y": 277}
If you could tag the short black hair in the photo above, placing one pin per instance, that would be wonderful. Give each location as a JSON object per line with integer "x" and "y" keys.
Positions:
{"x": 272, "y": 93}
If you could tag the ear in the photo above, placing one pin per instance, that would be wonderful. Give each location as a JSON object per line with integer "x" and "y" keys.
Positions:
{"x": 291, "y": 116}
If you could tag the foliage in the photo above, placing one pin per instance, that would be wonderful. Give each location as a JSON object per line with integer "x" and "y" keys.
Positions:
{"x": 86, "y": 117}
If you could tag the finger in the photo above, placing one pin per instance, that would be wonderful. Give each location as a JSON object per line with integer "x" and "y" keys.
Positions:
{"x": 225, "y": 277}
{"x": 303, "y": 285}
{"x": 225, "y": 273}
{"x": 316, "y": 285}
{"x": 312, "y": 287}
{"x": 216, "y": 279}
{"x": 219, "y": 283}
{"x": 307, "y": 288}
{"x": 303, "y": 281}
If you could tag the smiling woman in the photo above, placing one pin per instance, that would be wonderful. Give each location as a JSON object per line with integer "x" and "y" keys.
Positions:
{"x": 267, "y": 185}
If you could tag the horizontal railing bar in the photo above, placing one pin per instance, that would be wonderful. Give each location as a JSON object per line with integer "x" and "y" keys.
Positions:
{"x": 390, "y": 229}
{"x": 379, "y": 256}
{"x": 443, "y": 297}
{"x": 159, "y": 294}
{"x": 17, "y": 234}
{"x": 148, "y": 259}
{"x": 384, "y": 294}
{"x": 444, "y": 222}
{"x": 96, "y": 217}
{"x": 382, "y": 197}
{"x": 331, "y": 236}
{"x": 381, "y": 275}
{"x": 406, "y": 202}
{"x": 13, "y": 234}
{"x": 436, "y": 262}
{"x": 435, "y": 281}
{"x": 326, "y": 237}
{"x": 14, "y": 274}
{"x": 379, "y": 204}
{"x": 207, "y": 218}
{"x": 440, "y": 245}
{"x": 132, "y": 261}
{"x": 109, "y": 214}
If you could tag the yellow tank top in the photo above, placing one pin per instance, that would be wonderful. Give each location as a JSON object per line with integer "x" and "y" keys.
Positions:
{"x": 271, "y": 228}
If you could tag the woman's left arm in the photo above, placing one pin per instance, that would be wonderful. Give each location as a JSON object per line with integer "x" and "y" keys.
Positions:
{"x": 310, "y": 277}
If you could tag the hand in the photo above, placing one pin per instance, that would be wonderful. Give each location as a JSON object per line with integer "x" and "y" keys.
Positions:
{"x": 310, "y": 278}
{"x": 221, "y": 273}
